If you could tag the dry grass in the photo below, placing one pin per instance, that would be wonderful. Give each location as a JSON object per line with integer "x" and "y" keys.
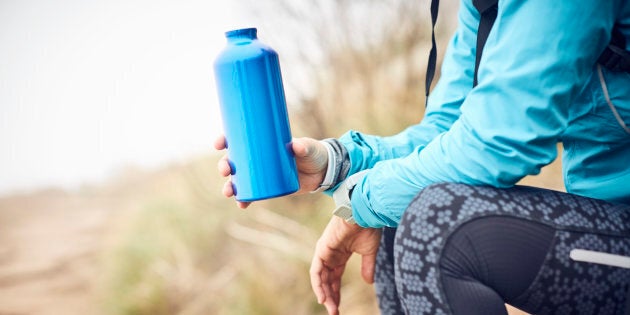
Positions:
{"x": 196, "y": 253}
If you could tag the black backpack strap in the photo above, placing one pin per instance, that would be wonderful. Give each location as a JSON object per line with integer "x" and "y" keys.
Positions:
{"x": 435, "y": 4}
{"x": 615, "y": 57}
{"x": 488, "y": 11}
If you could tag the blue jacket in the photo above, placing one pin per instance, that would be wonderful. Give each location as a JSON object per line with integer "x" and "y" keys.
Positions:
{"x": 538, "y": 85}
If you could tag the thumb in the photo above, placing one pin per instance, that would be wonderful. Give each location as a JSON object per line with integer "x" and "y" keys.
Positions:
{"x": 304, "y": 147}
{"x": 300, "y": 149}
{"x": 309, "y": 149}
{"x": 368, "y": 264}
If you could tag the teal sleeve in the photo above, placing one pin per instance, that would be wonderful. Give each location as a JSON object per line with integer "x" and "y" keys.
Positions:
{"x": 442, "y": 110}
{"x": 537, "y": 57}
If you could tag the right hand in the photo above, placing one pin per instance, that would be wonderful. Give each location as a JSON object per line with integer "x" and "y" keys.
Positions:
{"x": 311, "y": 158}
{"x": 339, "y": 240}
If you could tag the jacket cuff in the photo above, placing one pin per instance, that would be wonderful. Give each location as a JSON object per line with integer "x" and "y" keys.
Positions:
{"x": 340, "y": 162}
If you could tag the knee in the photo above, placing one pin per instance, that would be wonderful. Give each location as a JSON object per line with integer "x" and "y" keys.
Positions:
{"x": 419, "y": 239}
{"x": 424, "y": 227}
{"x": 438, "y": 211}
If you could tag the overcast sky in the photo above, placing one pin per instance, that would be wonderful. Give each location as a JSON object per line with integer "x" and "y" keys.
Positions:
{"x": 89, "y": 86}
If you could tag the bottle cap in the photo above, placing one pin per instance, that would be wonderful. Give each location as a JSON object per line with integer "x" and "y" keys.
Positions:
{"x": 243, "y": 32}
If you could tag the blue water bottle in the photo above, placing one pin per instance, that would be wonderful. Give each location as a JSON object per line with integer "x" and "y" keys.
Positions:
{"x": 255, "y": 119}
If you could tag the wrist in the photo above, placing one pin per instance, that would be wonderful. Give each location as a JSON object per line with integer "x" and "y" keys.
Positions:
{"x": 342, "y": 229}
{"x": 331, "y": 166}
{"x": 343, "y": 195}
{"x": 338, "y": 165}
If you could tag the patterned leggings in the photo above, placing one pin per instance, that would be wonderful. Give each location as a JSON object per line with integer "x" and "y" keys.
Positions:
{"x": 463, "y": 249}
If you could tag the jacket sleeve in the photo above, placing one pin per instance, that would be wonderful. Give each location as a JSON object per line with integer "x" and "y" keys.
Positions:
{"x": 442, "y": 110}
{"x": 537, "y": 57}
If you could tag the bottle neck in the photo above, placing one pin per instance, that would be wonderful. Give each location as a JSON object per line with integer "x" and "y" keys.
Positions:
{"x": 241, "y": 35}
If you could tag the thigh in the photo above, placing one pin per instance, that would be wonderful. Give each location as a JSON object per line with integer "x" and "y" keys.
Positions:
{"x": 442, "y": 210}
{"x": 490, "y": 261}
{"x": 503, "y": 259}
{"x": 566, "y": 286}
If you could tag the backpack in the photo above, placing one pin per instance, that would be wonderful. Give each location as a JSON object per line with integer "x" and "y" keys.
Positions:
{"x": 614, "y": 57}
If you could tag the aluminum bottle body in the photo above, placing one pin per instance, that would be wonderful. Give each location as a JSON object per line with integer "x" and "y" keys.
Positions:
{"x": 255, "y": 118}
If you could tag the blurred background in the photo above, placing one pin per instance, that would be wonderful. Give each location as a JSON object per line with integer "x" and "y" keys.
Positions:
{"x": 109, "y": 198}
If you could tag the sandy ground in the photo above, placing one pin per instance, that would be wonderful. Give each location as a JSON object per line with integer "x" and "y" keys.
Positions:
{"x": 48, "y": 253}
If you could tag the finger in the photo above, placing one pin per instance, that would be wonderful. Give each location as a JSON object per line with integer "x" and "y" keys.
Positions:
{"x": 224, "y": 166}
{"x": 368, "y": 263}
{"x": 300, "y": 147}
{"x": 335, "y": 283}
{"x": 331, "y": 301}
{"x": 309, "y": 148}
{"x": 316, "y": 279}
{"x": 331, "y": 307}
{"x": 336, "y": 288}
{"x": 243, "y": 205}
{"x": 332, "y": 288}
{"x": 312, "y": 152}
{"x": 228, "y": 191}
{"x": 327, "y": 287}
{"x": 219, "y": 142}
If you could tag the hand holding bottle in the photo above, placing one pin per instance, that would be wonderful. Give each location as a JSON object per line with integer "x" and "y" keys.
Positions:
{"x": 311, "y": 158}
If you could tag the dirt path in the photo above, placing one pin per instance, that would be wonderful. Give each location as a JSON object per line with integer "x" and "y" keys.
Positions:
{"x": 48, "y": 253}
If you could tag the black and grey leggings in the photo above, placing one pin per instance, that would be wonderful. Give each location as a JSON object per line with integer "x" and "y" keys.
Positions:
{"x": 463, "y": 249}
